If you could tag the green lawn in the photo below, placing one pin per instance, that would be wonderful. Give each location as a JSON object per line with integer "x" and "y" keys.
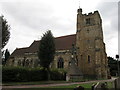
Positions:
{"x": 110, "y": 84}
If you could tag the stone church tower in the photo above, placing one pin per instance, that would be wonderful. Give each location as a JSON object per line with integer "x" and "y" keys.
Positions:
{"x": 92, "y": 57}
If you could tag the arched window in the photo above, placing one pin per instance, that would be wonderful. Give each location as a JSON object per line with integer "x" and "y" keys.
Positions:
{"x": 88, "y": 59}
{"x": 23, "y": 62}
{"x": 31, "y": 62}
{"x": 60, "y": 63}
{"x": 81, "y": 57}
{"x": 77, "y": 60}
{"x": 19, "y": 63}
{"x": 27, "y": 63}
{"x": 13, "y": 62}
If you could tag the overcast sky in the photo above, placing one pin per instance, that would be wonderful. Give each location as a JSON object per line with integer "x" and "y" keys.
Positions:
{"x": 29, "y": 19}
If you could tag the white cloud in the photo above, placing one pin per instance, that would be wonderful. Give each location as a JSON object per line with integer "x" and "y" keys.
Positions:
{"x": 109, "y": 14}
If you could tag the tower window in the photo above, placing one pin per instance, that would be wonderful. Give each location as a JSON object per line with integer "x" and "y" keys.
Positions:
{"x": 60, "y": 63}
{"x": 87, "y": 30}
{"x": 88, "y": 21}
{"x": 81, "y": 57}
{"x": 77, "y": 60}
{"x": 88, "y": 59}
{"x": 69, "y": 63}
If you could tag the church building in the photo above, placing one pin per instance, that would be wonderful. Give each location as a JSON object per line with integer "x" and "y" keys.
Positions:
{"x": 89, "y": 48}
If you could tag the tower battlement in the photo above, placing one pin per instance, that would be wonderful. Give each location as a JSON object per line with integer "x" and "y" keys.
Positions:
{"x": 91, "y": 13}
{"x": 90, "y": 19}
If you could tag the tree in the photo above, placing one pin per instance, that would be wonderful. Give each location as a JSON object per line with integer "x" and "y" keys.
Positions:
{"x": 5, "y": 31}
{"x": 46, "y": 51}
{"x": 112, "y": 63}
{"x": 7, "y": 54}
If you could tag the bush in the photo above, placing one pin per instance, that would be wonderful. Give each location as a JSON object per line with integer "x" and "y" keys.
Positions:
{"x": 37, "y": 74}
{"x": 58, "y": 74}
{"x": 22, "y": 74}
{"x": 10, "y": 74}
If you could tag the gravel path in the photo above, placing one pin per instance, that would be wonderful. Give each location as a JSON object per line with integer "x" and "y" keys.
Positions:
{"x": 48, "y": 85}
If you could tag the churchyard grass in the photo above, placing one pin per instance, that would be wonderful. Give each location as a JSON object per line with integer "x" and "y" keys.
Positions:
{"x": 110, "y": 84}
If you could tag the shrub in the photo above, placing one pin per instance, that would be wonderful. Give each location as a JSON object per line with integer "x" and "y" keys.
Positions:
{"x": 58, "y": 74}
{"x": 37, "y": 74}
{"x": 22, "y": 74}
{"x": 10, "y": 74}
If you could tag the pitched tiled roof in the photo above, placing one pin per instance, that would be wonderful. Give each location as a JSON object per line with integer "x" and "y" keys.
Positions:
{"x": 65, "y": 42}
{"x": 19, "y": 52}
{"x": 61, "y": 43}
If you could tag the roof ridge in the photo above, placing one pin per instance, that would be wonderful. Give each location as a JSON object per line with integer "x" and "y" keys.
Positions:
{"x": 65, "y": 36}
{"x": 57, "y": 37}
{"x": 23, "y": 48}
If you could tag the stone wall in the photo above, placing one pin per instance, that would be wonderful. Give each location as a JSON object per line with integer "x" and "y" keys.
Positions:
{"x": 65, "y": 54}
{"x": 26, "y": 61}
{"x": 32, "y": 60}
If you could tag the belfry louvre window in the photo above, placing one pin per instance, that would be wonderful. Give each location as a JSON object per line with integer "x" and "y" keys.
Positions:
{"x": 88, "y": 21}
{"x": 60, "y": 63}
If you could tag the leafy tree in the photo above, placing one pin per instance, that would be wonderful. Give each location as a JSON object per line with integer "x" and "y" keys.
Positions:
{"x": 112, "y": 63}
{"x": 46, "y": 51}
{"x": 5, "y": 31}
{"x": 7, "y": 54}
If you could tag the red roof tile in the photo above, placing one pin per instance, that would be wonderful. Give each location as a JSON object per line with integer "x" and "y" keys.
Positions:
{"x": 19, "y": 52}
{"x": 65, "y": 42}
{"x": 61, "y": 43}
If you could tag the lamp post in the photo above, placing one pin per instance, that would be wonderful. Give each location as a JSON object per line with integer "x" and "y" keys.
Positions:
{"x": 117, "y": 57}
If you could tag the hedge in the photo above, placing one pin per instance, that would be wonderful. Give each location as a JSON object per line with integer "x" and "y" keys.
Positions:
{"x": 58, "y": 74}
{"x": 22, "y": 74}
